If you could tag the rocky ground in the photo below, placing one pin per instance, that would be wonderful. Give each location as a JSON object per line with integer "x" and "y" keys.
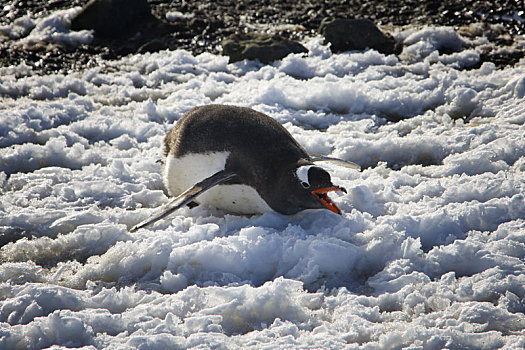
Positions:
{"x": 211, "y": 21}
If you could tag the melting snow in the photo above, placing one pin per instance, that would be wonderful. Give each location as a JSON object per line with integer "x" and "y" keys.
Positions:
{"x": 429, "y": 252}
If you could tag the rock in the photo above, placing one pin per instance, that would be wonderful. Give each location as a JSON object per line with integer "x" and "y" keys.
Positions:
{"x": 263, "y": 47}
{"x": 113, "y": 18}
{"x": 356, "y": 34}
{"x": 125, "y": 26}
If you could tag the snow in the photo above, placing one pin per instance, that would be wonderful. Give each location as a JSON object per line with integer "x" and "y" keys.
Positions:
{"x": 429, "y": 252}
{"x": 53, "y": 29}
{"x": 174, "y": 16}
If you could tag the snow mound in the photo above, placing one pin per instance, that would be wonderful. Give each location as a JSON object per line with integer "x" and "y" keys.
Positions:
{"x": 429, "y": 252}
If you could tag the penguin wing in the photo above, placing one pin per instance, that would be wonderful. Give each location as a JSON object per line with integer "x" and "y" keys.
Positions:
{"x": 345, "y": 163}
{"x": 185, "y": 197}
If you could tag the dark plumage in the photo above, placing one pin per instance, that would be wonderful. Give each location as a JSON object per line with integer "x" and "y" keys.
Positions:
{"x": 258, "y": 153}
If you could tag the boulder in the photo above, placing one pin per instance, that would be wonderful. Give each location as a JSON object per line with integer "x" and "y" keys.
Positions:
{"x": 356, "y": 34}
{"x": 113, "y": 18}
{"x": 263, "y": 47}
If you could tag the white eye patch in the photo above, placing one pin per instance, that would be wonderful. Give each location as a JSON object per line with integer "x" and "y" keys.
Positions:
{"x": 302, "y": 174}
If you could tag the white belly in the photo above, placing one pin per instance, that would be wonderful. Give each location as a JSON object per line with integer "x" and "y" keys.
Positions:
{"x": 184, "y": 172}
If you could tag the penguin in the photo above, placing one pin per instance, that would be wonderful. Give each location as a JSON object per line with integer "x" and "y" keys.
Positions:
{"x": 242, "y": 161}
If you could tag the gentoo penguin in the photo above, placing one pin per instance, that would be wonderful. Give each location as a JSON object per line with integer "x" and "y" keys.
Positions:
{"x": 242, "y": 161}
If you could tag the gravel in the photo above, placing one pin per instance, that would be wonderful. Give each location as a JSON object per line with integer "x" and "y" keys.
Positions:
{"x": 209, "y": 22}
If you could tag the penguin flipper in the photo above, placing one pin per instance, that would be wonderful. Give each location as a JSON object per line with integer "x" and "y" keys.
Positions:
{"x": 345, "y": 163}
{"x": 185, "y": 198}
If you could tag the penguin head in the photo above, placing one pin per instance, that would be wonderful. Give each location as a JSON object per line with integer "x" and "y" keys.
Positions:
{"x": 306, "y": 187}
{"x": 316, "y": 182}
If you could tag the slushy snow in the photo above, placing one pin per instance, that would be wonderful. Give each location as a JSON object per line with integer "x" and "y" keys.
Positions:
{"x": 428, "y": 254}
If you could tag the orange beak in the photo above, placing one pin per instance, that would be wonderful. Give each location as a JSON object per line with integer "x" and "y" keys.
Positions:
{"x": 321, "y": 194}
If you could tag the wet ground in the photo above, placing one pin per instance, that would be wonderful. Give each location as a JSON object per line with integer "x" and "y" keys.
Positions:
{"x": 211, "y": 21}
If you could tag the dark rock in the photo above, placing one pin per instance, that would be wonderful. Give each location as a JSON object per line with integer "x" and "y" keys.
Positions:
{"x": 125, "y": 26}
{"x": 356, "y": 34}
{"x": 263, "y": 47}
{"x": 113, "y": 18}
{"x": 216, "y": 20}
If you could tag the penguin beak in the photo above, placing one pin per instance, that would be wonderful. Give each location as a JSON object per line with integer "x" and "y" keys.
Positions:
{"x": 321, "y": 194}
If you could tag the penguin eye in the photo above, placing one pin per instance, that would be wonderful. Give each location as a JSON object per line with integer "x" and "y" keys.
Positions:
{"x": 302, "y": 175}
